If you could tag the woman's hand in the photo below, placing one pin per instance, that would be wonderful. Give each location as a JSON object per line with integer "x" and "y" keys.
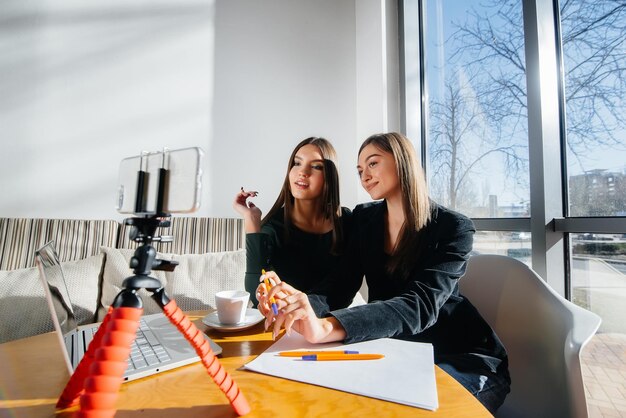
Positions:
{"x": 265, "y": 306}
{"x": 251, "y": 214}
{"x": 295, "y": 311}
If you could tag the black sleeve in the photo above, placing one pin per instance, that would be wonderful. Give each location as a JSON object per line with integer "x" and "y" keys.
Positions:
{"x": 259, "y": 248}
{"x": 417, "y": 307}
{"x": 339, "y": 287}
{"x": 257, "y": 254}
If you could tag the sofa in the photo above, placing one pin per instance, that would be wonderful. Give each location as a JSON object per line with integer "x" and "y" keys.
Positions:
{"x": 95, "y": 256}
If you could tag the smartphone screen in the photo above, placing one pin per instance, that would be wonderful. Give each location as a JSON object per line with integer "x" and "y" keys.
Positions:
{"x": 182, "y": 188}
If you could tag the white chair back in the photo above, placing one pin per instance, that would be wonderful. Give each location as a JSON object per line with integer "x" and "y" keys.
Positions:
{"x": 542, "y": 332}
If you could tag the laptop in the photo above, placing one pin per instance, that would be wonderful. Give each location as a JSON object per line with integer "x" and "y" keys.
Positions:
{"x": 159, "y": 345}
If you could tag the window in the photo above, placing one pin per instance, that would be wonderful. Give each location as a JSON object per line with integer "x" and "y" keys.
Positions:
{"x": 593, "y": 44}
{"x": 477, "y": 137}
{"x": 520, "y": 113}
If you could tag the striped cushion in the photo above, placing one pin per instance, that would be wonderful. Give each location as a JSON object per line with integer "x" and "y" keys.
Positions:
{"x": 78, "y": 239}
{"x": 75, "y": 239}
{"x": 81, "y": 239}
{"x": 195, "y": 236}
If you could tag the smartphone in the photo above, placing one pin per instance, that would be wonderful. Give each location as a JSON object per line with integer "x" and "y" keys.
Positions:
{"x": 178, "y": 171}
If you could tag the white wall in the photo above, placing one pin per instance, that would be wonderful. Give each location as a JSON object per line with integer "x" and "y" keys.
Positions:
{"x": 84, "y": 84}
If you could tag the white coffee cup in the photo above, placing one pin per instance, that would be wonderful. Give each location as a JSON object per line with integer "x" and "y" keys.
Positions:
{"x": 231, "y": 306}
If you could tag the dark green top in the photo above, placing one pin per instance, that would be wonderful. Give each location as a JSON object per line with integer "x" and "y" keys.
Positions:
{"x": 302, "y": 260}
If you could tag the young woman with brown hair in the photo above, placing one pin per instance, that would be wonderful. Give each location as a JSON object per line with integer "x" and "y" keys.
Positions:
{"x": 304, "y": 232}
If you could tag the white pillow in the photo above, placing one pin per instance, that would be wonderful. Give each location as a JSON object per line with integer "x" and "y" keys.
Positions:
{"x": 24, "y": 309}
{"x": 193, "y": 283}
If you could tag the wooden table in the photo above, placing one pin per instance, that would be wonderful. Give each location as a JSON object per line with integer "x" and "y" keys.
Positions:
{"x": 33, "y": 374}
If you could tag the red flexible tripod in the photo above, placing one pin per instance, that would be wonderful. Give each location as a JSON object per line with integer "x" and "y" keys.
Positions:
{"x": 99, "y": 375}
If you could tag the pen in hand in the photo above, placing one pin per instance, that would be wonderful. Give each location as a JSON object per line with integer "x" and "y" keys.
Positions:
{"x": 272, "y": 300}
{"x": 252, "y": 193}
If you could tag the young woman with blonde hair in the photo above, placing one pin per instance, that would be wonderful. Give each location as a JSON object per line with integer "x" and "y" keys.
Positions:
{"x": 412, "y": 253}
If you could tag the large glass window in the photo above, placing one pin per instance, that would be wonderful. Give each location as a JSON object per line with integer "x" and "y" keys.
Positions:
{"x": 594, "y": 61}
{"x": 477, "y": 129}
{"x": 485, "y": 153}
{"x": 594, "y": 64}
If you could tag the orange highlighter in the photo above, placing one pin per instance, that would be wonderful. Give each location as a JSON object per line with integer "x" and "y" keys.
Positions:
{"x": 272, "y": 300}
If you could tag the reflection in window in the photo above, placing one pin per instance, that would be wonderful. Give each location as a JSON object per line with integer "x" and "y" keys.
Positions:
{"x": 598, "y": 274}
{"x": 477, "y": 117}
{"x": 513, "y": 244}
{"x": 594, "y": 41}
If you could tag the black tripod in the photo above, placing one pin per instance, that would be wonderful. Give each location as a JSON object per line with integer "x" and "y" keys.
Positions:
{"x": 100, "y": 372}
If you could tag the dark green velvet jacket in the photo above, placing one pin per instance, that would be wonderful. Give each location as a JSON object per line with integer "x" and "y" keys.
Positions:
{"x": 426, "y": 306}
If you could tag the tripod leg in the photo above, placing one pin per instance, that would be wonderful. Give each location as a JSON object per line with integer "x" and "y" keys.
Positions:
{"x": 74, "y": 387}
{"x": 110, "y": 362}
{"x": 213, "y": 366}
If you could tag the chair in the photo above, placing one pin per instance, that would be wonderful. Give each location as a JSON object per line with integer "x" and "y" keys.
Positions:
{"x": 543, "y": 334}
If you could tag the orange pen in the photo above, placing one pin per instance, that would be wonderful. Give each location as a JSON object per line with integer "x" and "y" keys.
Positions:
{"x": 272, "y": 300}
{"x": 312, "y": 353}
{"x": 327, "y": 357}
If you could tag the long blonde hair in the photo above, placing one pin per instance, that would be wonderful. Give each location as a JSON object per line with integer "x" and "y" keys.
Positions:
{"x": 331, "y": 208}
{"x": 416, "y": 203}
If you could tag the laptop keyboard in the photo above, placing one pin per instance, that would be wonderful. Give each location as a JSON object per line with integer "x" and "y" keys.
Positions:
{"x": 145, "y": 351}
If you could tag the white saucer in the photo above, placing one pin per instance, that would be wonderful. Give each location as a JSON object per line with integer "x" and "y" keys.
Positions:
{"x": 253, "y": 317}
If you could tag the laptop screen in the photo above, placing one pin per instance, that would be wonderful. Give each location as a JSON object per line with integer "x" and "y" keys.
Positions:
{"x": 55, "y": 288}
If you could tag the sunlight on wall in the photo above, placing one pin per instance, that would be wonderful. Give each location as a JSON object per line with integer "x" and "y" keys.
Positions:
{"x": 85, "y": 85}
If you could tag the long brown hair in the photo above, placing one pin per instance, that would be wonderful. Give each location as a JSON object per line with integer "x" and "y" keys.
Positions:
{"x": 331, "y": 207}
{"x": 417, "y": 206}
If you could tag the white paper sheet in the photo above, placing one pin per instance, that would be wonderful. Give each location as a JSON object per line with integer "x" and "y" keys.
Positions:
{"x": 406, "y": 375}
